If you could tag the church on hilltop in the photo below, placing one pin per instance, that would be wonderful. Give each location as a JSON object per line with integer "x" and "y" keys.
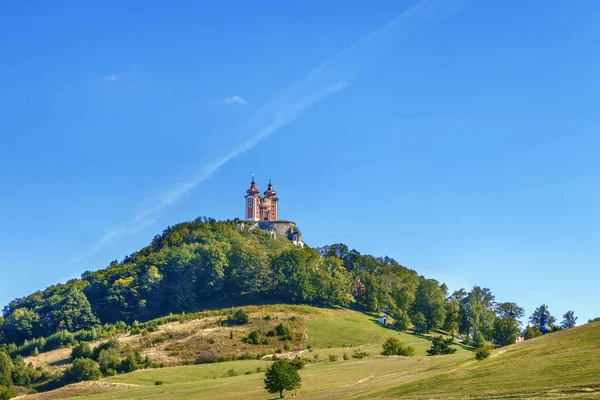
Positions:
{"x": 263, "y": 213}
{"x": 261, "y": 208}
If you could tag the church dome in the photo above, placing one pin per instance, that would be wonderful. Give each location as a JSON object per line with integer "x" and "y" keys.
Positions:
{"x": 270, "y": 192}
{"x": 253, "y": 191}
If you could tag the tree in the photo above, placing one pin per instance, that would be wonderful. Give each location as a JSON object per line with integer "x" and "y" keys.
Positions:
{"x": 402, "y": 320}
{"x": 536, "y": 317}
{"x": 419, "y": 323}
{"x": 129, "y": 364}
{"x": 109, "y": 360}
{"x": 479, "y": 313}
{"x": 394, "y": 347}
{"x": 506, "y": 330}
{"x": 430, "y": 301}
{"x": 82, "y": 350}
{"x": 441, "y": 346}
{"x": 508, "y": 309}
{"x": 84, "y": 369}
{"x": 280, "y": 376}
{"x": 531, "y": 333}
{"x": 6, "y": 369}
{"x": 367, "y": 298}
{"x": 569, "y": 320}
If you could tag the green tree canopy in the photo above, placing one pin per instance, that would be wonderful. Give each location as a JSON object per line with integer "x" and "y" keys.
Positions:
{"x": 280, "y": 376}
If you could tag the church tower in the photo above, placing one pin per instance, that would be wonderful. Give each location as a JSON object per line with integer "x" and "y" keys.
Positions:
{"x": 252, "y": 202}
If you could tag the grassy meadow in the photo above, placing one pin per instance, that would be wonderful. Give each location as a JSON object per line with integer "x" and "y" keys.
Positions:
{"x": 560, "y": 365}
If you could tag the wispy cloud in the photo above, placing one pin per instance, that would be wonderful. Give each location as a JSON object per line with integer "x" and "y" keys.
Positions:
{"x": 233, "y": 100}
{"x": 110, "y": 78}
{"x": 330, "y": 77}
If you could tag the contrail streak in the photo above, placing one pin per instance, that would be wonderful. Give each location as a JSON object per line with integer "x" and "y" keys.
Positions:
{"x": 330, "y": 77}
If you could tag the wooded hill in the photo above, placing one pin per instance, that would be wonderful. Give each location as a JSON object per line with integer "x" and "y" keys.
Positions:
{"x": 206, "y": 261}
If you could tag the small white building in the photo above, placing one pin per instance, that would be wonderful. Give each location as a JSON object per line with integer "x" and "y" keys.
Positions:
{"x": 382, "y": 320}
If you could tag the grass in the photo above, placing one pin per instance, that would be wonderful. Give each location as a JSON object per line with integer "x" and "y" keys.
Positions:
{"x": 560, "y": 365}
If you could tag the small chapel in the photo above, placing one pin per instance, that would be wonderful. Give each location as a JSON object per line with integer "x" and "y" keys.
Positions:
{"x": 259, "y": 208}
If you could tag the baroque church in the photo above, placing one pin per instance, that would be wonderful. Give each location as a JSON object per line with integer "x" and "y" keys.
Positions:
{"x": 263, "y": 213}
{"x": 261, "y": 208}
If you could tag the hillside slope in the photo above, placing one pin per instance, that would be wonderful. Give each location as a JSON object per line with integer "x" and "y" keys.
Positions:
{"x": 559, "y": 365}
{"x": 562, "y": 363}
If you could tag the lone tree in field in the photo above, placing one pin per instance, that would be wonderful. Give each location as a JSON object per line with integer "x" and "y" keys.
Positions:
{"x": 281, "y": 376}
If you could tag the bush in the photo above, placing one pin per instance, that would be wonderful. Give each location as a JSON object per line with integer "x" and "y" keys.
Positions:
{"x": 7, "y": 393}
{"x": 158, "y": 383}
{"x": 484, "y": 351}
{"x": 129, "y": 364}
{"x": 82, "y": 350}
{"x": 239, "y": 317}
{"x": 332, "y": 358}
{"x": 84, "y": 369}
{"x": 394, "y": 347}
{"x": 441, "y": 346}
{"x": 287, "y": 346}
{"x": 6, "y": 369}
{"x": 284, "y": 331}
{"x": 298, "y": 363}
{"x": 345, "y": 357}
{"x": 230, "y": 373}
{"x": 209, "y": 356}
{"x": 105, "y": 346}
{"x": 109, "y": 360}
{"x": 255, "y": 337}
{"x": 59, "y": 340}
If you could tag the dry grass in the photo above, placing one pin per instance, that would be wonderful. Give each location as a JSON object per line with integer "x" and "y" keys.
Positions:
{"x": 78, "y": 390}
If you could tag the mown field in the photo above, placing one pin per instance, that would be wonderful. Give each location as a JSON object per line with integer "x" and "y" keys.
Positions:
{"x": 560, "y": 365}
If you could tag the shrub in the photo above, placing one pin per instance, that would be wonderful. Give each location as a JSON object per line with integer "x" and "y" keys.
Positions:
{"x": 287, "y": 346}
{"x": 332, "y": 358}
{"x": 82, "y": 350}
{"x": 360, "y": 354}
{"x": 158, "y": 383}
{"x": 394, "y": 347}
{"x": 59, "y": 340}
{"x": 209, "y": 356}
{"x": 6, "y": 369}
{"x": 109, "y": 360}
{"x": 105, "y": 346}
{"x": 7, "y": 393}
{"x": 230, "y": 373}
{"x": 441, "y": 346}
{"x": 129, "y": 364}
{"x": 298, "y": 363}
{"x": 84, "y": 369}
{"x": 254, "y": 337}
{"x": 239, "y": 317}
{"x": 484, "y": 351}
{"x": 284, "y": 331}
{"x": 345, "y": 357}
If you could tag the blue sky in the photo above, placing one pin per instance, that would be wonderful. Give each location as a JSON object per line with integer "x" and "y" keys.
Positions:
{"x": 459, "y": 137}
